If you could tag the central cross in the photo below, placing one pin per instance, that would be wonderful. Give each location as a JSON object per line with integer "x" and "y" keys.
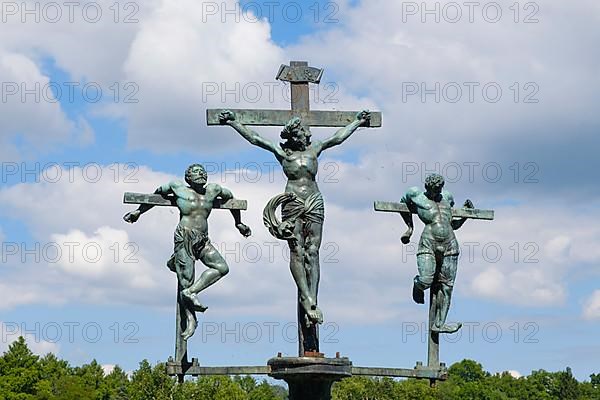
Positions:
{"x": 299, "y": 75}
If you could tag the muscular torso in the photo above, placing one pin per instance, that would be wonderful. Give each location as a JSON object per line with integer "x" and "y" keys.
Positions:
{"x": 300, "y": 167}
{"x": 436, "y": 215}
{"x": 194, "y": 207}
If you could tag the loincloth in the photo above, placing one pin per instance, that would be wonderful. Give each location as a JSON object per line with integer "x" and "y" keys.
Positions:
{"x": 293, "y": 208}
{"x": 439, "y": 248}
{"x": 188, "y": 246}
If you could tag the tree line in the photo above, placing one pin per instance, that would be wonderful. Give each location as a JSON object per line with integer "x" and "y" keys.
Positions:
{"x": 26, "y": 376}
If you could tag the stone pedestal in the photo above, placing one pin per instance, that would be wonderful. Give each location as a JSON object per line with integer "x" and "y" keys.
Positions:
{"x": 310, "y": 378}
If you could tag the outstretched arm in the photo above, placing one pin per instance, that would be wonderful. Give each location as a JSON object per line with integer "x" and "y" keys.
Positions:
{"x": 228, "y": 118}
{"x": 407, "y": 216}
{"x": 133, "y": 216}
{"x": 362, "y": 119}
{"x": 237, "y": 215}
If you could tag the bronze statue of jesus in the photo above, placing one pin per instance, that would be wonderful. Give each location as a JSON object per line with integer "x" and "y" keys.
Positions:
{"x": 303, "y": 209}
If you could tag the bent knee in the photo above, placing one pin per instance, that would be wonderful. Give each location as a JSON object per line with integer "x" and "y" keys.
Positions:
{"x": 424, "y": 281}
{"x": 223, "y": 268}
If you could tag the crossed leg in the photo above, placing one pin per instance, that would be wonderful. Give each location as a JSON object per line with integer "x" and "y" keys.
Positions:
{"x": 217, "y": 268}
{"x": 303, "y": 271}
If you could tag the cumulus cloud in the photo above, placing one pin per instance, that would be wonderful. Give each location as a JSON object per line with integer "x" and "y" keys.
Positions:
{"x": 25, "y": 94}
{"x": 173, "y": 52}
{"x": 364, "y": 266}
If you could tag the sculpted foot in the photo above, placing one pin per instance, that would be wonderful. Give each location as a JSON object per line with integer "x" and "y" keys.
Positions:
{"x": 191, "y": 298}
{"x": 448, "y": 328}
{"x": 189, "y": 332}
{"x": 418, "y": 295}
{"x": 314, "y": 316}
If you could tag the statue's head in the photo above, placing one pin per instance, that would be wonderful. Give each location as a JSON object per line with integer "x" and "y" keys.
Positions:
{"x": 195, "y": 174}
{"x": 434, "y": 184}
{"x": 296, "y": 136}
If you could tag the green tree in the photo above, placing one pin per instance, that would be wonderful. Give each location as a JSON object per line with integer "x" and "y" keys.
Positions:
{"x": 468, "y": 371}
{"x": 149, "y": 383}
{"x": 19, "y": 371}
{"x": 115, "y": 385}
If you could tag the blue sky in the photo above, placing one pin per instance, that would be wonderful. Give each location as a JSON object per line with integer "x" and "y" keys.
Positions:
{"x": 529, "y": 154}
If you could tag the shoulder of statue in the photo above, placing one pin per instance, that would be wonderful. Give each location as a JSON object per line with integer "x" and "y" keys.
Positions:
{"x": 448, "y": 196}
{"x": 413, "y": 192}
{"x": 213, "y": 187}
{"x": 316, "y": 146}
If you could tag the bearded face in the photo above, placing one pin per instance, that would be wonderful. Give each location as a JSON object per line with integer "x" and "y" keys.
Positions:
{"x": 196, "y": 175}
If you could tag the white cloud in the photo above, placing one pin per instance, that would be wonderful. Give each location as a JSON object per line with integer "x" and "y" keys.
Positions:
{"x": 11, "y": 332}
{"x": 364, "y": 266}
{"x": 515, "y": 374}
{"x": 591, "y": 309}
{"x": 50, "y": 124}
{"x": 108, "y": 368}
{"x": 172, "y": 52}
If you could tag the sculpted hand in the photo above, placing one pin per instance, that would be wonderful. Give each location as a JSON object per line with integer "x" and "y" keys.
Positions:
{"x": 365, "y": 117}
{"x": 405, "y": 238}
{"x": 131, "y": 217}
{"x": 468, "y": 204}
{"x": 244, "y": 229}
{"x": 226, "y": 116}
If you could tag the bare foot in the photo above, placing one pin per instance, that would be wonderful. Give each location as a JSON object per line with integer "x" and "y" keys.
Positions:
{"x": 189, "y": 331}
{"x": 188, "y": 296}
{"x": 448, "y": 328}
{"x": 314, "y": 316}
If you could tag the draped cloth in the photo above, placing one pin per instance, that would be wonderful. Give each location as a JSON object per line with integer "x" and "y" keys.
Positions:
{"x": 309, "y": 210}
{"x": 189, "y": 244}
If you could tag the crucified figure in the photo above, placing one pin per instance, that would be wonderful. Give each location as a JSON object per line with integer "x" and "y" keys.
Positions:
{"x": 195, "y": 203}
{"x": 437, "y": 255}
{"x": 303, "y": 209}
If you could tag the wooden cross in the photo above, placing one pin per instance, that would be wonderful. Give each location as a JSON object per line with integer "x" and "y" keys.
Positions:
{"x": 299, "y": 75}
{"x": 159, "y": 200}
{"x": 433, "y": 347}
{"x": 471, "y": 213}
{"x": 170, "y": 201}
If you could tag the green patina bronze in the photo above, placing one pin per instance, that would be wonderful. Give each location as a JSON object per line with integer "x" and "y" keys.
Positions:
{"x": 195, "y": 201}
{"x": 302, "y": 205}
{"x": 438, "y": 250}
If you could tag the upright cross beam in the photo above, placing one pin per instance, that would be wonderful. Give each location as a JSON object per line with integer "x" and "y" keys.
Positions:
{"x": 299, "y": 75}
{"x": 433, "y": 347}
{"x": 180, "y": 325}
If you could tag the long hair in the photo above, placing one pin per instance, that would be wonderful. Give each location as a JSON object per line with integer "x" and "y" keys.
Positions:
{"x": 289, "y": 132}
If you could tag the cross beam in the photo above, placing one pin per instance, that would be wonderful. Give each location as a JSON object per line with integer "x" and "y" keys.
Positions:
{"x": 170, "y": 201}
{"x": 281, "y": 117}
{"x": 418, "y": 372}
{"x": 299, "y": 74}
{"x": 472, "y": 213}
